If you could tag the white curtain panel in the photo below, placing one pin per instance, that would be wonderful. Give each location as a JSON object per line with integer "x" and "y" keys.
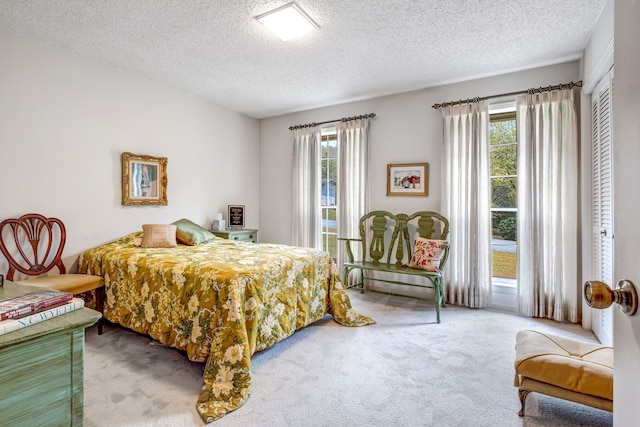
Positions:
{"x": 306, "y": 216}
{"x": 466, "y": 203}
{"x": 547, "y": 206}
{"x": 353, "y": 185}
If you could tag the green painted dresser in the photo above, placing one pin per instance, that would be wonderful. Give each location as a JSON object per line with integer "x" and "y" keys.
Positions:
{"x": 41, "y": 368}
{"x": 242, "y": 235}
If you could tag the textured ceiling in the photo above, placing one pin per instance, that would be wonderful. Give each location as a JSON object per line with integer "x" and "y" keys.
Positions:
{"x": 363, "y": 49}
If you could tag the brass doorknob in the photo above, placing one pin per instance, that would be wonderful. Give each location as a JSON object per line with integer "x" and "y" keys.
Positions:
{"x": 600, "y": 295}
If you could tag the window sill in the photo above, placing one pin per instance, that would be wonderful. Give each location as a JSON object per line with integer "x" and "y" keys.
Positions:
{"x": 503, "y": 294}
{"x": 502, "y": 284}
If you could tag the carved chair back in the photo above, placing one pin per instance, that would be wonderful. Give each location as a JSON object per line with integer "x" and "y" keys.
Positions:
{"x": 388, "y": 238}
{"x": 32, "y": 244}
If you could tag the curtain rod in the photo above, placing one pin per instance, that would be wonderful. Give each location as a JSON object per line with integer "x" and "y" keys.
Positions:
{"x": 344, "y": 119}
{"x": 541, "y": 89}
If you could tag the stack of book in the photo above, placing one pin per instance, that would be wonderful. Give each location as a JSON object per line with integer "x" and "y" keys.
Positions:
{"x": 34, "y": 307}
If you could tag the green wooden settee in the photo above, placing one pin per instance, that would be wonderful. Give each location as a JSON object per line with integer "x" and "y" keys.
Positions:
{"x": 387, "y": 240}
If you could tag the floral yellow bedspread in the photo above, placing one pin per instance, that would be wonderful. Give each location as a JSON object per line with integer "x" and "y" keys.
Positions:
{"x": 220, "y": 301}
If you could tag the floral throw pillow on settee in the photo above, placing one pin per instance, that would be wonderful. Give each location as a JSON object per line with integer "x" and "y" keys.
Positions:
{"x": 427, "y": 254}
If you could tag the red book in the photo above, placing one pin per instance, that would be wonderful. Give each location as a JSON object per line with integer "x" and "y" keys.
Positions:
{"x": 23, "y": 305}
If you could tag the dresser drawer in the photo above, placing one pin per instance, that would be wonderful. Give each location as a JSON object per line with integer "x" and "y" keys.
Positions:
{"x": 247, "y": 235}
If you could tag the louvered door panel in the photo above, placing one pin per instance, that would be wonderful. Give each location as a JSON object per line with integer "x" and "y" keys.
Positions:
{"x": 602, "y": 208}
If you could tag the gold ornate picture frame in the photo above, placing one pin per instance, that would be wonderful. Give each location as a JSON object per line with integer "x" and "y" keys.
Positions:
{"x": 144, "y": 180}
{"x": 408, "y": 179}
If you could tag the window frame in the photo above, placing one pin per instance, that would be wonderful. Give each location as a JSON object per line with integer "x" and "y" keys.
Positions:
{"x": 329, "y": 133}
{"x": 503, "y": 111}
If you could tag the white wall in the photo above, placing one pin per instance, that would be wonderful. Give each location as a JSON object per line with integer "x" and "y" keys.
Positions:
{"x": 405, "y": 130}
{"x": 597, "y": 60}
{"x": 65, "y": 120}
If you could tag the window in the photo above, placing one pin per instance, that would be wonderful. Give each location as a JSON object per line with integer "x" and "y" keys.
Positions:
{"x": 329, "y": 190}
{"x": 504, "y": 196}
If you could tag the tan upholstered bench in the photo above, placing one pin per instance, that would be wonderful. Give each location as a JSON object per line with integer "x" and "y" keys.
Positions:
{"x": 561, "y": 367}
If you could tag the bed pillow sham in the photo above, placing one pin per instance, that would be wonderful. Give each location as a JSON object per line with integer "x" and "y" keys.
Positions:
{"x": 190, "y": 233}
{"x": 158, "y": 236}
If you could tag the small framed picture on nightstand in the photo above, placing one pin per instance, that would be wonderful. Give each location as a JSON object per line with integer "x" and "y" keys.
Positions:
{"x": 236, "y": 217}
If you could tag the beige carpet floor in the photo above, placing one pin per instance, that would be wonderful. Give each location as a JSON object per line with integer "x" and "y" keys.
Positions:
{"x": 404, "y": 371}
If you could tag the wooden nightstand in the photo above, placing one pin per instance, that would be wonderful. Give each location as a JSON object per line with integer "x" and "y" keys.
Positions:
{"x": 243, "y": 235}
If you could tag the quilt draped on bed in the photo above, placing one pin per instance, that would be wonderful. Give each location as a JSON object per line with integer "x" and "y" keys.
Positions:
{"x": 220, "y": 301}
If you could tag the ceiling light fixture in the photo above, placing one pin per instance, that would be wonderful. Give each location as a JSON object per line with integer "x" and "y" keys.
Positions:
{"x": 288, "y": 21}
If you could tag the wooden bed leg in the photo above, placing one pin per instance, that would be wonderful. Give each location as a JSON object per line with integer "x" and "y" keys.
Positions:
{"x": 523, "y": 396}
{"x": 100, "y": 296}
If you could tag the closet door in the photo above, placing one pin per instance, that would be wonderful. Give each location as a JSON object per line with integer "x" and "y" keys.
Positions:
{"x": 602, "y": 219}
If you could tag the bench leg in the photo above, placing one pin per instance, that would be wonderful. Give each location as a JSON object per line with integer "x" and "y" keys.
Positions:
{"x": 345, "y": 279}
{"x": 437, "y": 285}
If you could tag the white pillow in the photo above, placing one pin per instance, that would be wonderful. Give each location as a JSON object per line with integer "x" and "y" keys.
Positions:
{"x": 427, "y": 253}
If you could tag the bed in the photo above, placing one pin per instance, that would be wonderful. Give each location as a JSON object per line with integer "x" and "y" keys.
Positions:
{"x": 221, "y": 301}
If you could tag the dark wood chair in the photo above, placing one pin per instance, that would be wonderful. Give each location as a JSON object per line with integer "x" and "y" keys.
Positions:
{"x": 33, "y": 245}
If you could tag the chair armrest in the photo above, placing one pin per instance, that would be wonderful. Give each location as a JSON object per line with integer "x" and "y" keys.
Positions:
{"x": 348, "y": 240}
